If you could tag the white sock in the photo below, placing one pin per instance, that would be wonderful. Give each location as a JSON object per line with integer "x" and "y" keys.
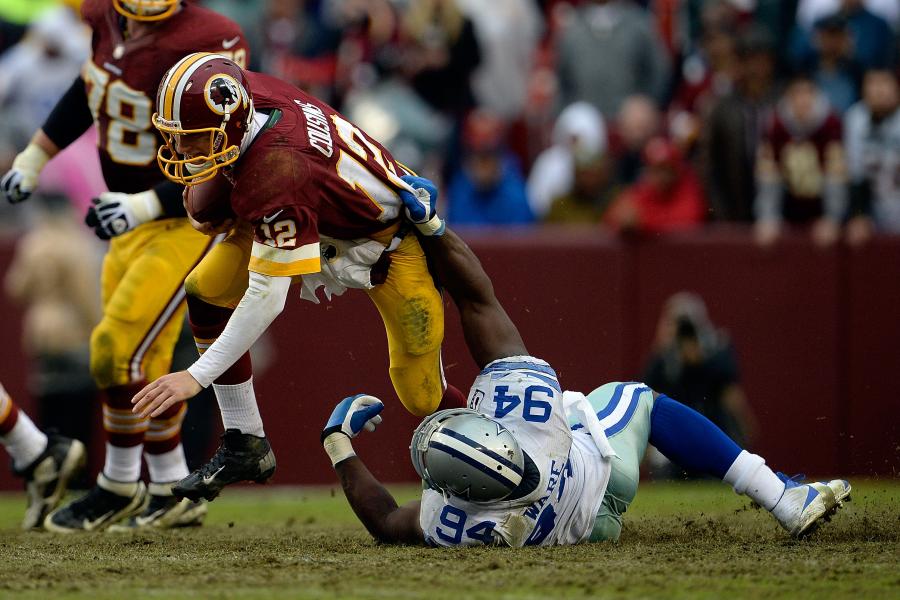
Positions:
{"x": 25, "y": 442}
{"x": 167, "y": 467}
{"x": 749, "y": 475}
{"x": 123, "y": 464}
{"x": 237, "y": 403}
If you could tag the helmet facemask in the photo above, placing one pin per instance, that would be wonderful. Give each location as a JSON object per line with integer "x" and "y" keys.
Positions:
{"x": 146, "y": 10}
{"x": 198, "y": 168}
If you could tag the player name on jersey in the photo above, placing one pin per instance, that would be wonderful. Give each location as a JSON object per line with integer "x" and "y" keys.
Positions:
{"x": 317, "y": 128}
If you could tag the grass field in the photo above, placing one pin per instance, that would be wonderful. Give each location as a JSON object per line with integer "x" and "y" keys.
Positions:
{"x": 682, "y": 540}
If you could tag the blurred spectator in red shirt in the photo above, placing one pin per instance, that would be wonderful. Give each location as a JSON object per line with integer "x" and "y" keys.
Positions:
{"x": 801, "y": 170}
{"x": 668, "y": 197}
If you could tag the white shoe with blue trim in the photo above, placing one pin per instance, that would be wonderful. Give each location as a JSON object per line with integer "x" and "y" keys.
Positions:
{"x": 804, "y": 506}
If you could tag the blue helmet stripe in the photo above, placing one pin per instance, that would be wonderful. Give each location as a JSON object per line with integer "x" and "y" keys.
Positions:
{"x": 472, "y": 462}
{"x": 514, "y": 366}
{"x": 470, "y": 442}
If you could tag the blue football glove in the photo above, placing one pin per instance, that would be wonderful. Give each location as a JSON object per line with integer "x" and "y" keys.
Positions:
{"x": 354, "y": 414}
{"x": 421, "y": 207}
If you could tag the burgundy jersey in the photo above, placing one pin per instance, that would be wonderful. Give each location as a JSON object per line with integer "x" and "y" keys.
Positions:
{"x": 803, "y": 161}
{"x": 122, "y": 77}
{"x": 312, "y": 172}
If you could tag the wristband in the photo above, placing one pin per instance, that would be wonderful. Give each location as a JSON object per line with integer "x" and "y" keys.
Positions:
{"x": 433, "y": 227}
{"x": 32, "y": 158}
{"x": 338, "y": 447}
{"x": 145, "y": 206}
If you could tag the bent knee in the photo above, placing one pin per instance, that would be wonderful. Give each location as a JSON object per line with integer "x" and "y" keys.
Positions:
{"x": 420, "y": 393}
{"x": 109, "y": 356}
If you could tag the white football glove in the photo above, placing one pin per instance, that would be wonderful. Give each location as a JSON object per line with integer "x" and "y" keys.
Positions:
{"x": 114, "y": 213}
{"x": 22, "y": 178}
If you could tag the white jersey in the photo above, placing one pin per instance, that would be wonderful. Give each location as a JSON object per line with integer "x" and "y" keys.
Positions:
{"x": 523, "y": 394}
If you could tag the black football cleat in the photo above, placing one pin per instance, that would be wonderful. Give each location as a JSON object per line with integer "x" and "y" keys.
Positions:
{"x": 164, "y": 511}
{"x": 241, "y": 457}
{"x": 48, "y": 476}
{"x": 106, "y": 503}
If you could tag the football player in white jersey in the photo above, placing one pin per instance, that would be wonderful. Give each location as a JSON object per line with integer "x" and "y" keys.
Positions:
{"x": 529, "y": 464}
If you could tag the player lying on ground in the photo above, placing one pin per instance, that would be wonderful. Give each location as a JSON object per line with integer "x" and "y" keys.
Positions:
{"x": 529, "y": 464}
{"x": 315, "y": 198}
{"x": 46, "y": 462}
{"x": 153, "y": 246}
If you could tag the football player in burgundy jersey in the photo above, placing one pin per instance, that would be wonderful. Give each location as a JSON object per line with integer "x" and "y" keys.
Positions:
{"x": 153, "y": 245}
{"x": 322, "y": 199}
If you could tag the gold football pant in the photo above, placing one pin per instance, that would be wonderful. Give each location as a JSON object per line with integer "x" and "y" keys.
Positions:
{"x": 143, "y": 311}
{"x": 410, "y": 306}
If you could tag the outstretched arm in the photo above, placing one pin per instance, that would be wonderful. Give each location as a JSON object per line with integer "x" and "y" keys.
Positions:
{"x": 373, "y": 504}
{"x": 490, "y": 333}
{"x": 376, "y": 508}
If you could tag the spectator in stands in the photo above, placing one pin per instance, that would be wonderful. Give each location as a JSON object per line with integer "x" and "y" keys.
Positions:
{"x": 589, "y": 195}
{"x": 810, "y": 11}
{"x": 607, "y": 51}
{"x": 296, "y": 44}
{"x": 579, "y": 138}
{"x": 637, "y": 122}
{"x": 801, "y": 169}
{"x": 508, "y": 32}
{"x": 36, "y": 72}
{"x": 733, "y": 129}
{"x": 832, "y": 64}
{"x": 872, "y": 140}
{"x": 668, "y": 197}
{"x": 489, "y": 188}
{"x": 442, "y": 54}
{"x": 54, "y": 275}
{"x": 873, "y": 38}
{"x": 696, "y": 362}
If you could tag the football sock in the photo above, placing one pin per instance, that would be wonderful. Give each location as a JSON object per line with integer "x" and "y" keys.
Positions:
{"x": 168, "y": 466}
{"x": 22, "y": 439}
{"x": 123, "y": 463}
{"x": 690, "y": 440}
{"x": 237, "y": 403}
{"x": 124, "y": 433}
{"x": 749, "y": 475}
{"x": 234, "y": 388}
{"x": 162, "y": 446}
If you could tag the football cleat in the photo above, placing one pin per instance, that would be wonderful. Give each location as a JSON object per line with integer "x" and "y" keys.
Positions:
{"x": 164, "y": 511}
{"x": 241, "y": 457}
{"x": 48, "y": 476}
{"x": 106, "y": 503}
{"x": 803, "y": 506}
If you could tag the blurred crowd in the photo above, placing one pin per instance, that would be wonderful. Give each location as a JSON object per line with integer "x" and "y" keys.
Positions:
{"x": 638, "y": 116}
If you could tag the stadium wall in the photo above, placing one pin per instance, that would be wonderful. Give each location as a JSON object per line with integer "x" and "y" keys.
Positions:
{"x": 815, "y": 330}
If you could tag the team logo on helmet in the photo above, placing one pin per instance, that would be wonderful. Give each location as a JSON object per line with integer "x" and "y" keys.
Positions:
{"x": 223, "y": 94}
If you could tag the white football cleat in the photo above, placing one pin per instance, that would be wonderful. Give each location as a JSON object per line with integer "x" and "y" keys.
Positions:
{"x": 803, "y": 506}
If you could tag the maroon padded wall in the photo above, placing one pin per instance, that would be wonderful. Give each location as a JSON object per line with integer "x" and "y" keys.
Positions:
{"x": 816, "y": 333}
